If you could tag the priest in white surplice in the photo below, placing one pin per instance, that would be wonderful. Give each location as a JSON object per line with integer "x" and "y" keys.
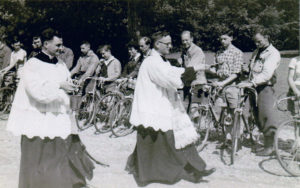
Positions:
{"x": 164, "y": 150}
{"x": 51, "y": 156}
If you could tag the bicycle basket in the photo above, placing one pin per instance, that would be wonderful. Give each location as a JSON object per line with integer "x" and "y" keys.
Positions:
{"x": 75, "y": 101}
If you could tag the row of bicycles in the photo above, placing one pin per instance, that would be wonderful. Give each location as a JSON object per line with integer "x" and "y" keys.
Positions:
{"x": 106, "y": 111}
{"x": 110, "y": 111}
{"x": 209, "y": 125}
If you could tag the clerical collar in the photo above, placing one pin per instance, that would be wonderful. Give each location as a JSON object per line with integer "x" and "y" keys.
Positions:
{"x": 45, "y": 58}
{"x": 163, "y": 58}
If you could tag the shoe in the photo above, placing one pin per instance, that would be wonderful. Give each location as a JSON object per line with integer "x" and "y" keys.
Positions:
{"x": 226, "y": 144}
{"x": 266, "y": 152}
{"x": 222, "y": 146}
{"x": 208, "y": 172}
{"x": 257, "y": 149}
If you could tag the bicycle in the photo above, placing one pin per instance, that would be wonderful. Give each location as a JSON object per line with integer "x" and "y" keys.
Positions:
{"x": 208, "y": 119}
{"x": 7, "y": 93}
{"x": 103, "y": 108}
{"x": 83, "y": 105}
{"x": 287, "y": 139}
{"x": 239, "y": 117}
{"x": 120, "y": 125}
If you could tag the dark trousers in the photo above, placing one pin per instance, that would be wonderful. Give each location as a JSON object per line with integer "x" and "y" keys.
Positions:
{"x": 264, "y": 112}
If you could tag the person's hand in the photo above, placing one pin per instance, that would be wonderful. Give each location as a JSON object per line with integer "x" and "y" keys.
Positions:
{"x": 245, "y": 84}
{"x": 297, "y": 94}
{"x": 188, "y": 76}
{"x": 121, "y": 80}
{"x": 179, "y": 61}
{"x": 102, "y": 79}
{"x": 218, "y": 84}
{"x": 68, "y": 86}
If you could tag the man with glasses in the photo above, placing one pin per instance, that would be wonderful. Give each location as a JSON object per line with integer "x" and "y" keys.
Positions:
{"x": 164, "y": 151}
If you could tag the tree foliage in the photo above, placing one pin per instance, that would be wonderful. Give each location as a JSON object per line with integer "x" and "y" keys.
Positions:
{"x": 118, "y": 21}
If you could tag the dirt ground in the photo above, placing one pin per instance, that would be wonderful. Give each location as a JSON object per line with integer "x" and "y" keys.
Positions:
{"x": 248, "y": 170}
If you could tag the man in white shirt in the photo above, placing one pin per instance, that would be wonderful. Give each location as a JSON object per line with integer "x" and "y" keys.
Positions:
{"x": 51, "y": 156}
{"x": 17, "y": 59}
{"x": 165, "y": 135}
{"x": 262, "y": 68}
{"x": 110, "y": 69}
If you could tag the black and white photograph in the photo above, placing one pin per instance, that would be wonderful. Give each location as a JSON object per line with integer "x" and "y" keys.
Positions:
{"x": 149, "y": 93}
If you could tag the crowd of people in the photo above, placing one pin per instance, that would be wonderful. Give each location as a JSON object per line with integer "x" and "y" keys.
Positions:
{"x": 52, "y": 154}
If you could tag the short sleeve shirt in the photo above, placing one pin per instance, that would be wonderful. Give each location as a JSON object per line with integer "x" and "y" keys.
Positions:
{"x": 229, "y": 61}
{"x": 295, "y": 64}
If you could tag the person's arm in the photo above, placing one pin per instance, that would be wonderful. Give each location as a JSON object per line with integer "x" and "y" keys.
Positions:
{"x": 291, "y": 82}
{"x": 69, "y": 59}
{"x": 6, "y": 58}
{"x": 116, "y": 71}
{"x": 269, "y": 67}
{"x": 198, "y": 60}
{"x": 163, "y": 74}
{"x": 135, "y": 72}
{"x": 76, "y": 68}
{"x": 91, "y": 69}
{"x": 10, "y": 66}
{"x": 42, "y": 90}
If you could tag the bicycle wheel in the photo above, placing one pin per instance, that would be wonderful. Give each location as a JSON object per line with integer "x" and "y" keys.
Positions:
{"x": 203, "y": 127}
{"x": 120, "y": 115}
{"x": 6, "y": 99}
{"x": 102, "y": 110}
{"x": 235, "y": 135}
{"x": 287, "y": 145}
{"x": 84, "y": 113}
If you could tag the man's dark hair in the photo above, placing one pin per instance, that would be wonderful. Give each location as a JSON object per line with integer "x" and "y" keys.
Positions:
{"x": 49, "y": 34}
{"x": 36, "y": 37}
{"x": 133, "y": 44}
{"x": 16, "y": 40}
{"x": 85, "y": 42}
{"x": 105, "y": 47}
{"x": 159, "y": 35}
{"x": 227, "y": 32}
{"x": 147, "y": 40}
{"x": 264, "y": 32}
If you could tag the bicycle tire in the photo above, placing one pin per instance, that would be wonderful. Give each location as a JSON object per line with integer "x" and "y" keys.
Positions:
{"x": 287, "y": 146}
{"x": 235, "y": 135}
{"x": 84, "y": 114}
{"x": 120, "y": 115}
{"x": 203, "y": 127}
{"x": 102, "y": 110}
{"x": 6, "y": 99}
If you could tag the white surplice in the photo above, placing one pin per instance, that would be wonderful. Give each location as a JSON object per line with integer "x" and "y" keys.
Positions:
{"x": 156, "y": 101}
{"x": 40, "y": 107}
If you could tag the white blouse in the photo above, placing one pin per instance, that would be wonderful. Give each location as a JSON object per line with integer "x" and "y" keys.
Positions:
{"x": 40, "y": 107}
{"x": 156, "y": 102}
{"x": 295, "y": 64}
